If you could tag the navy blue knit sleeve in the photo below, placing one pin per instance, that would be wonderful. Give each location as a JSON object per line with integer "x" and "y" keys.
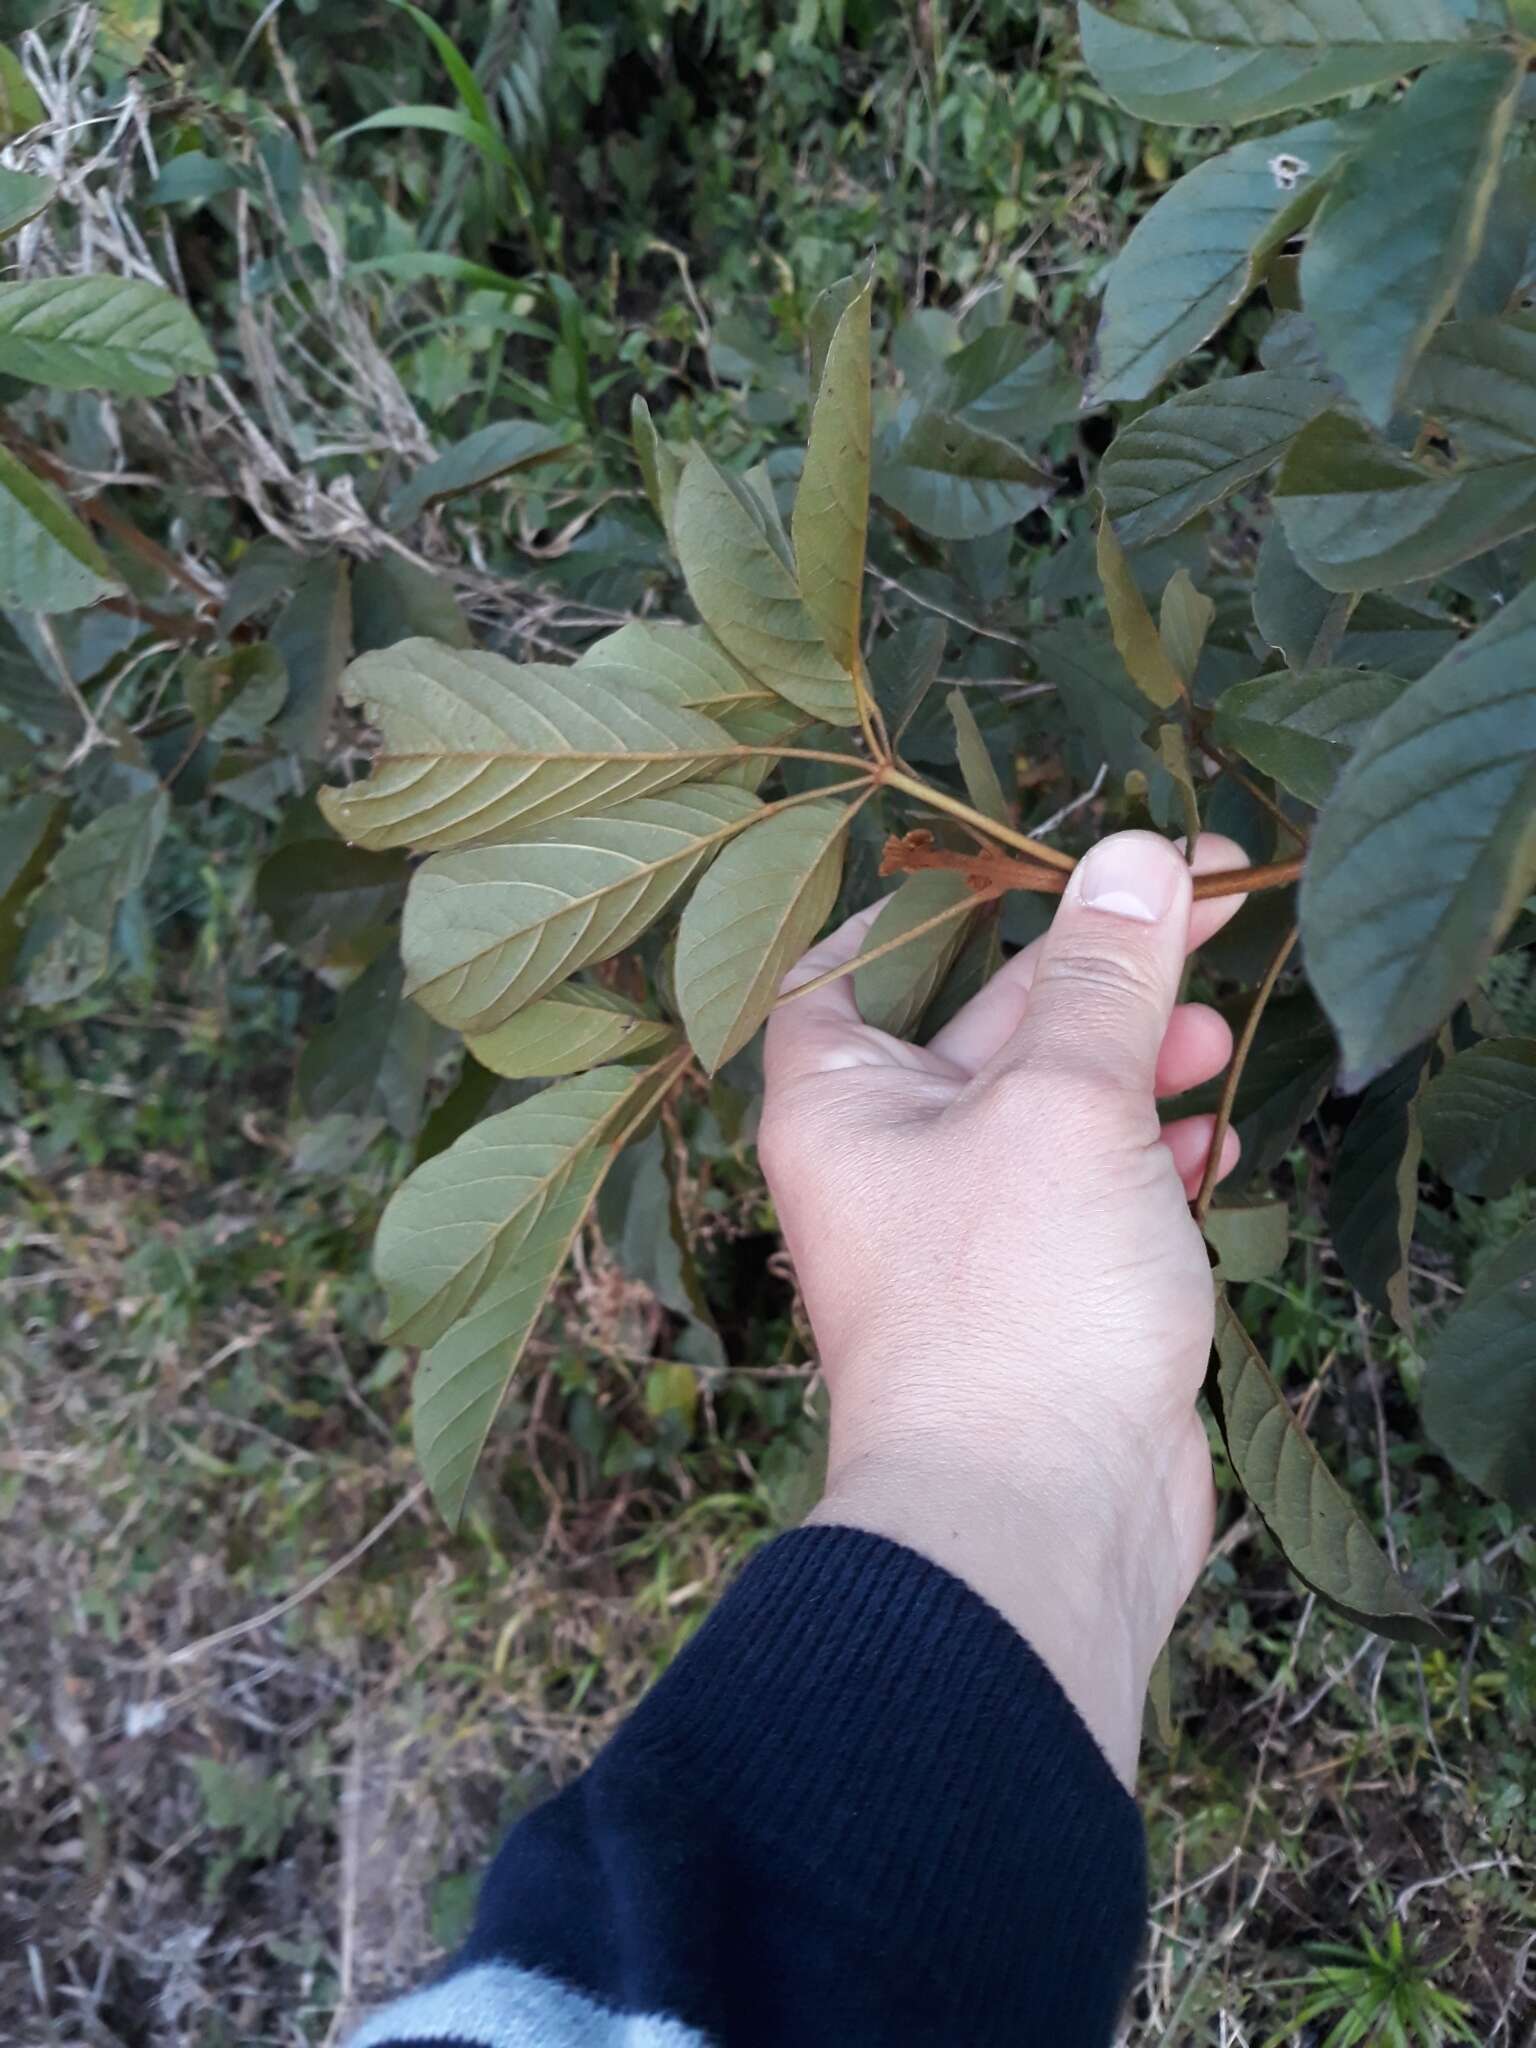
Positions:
{"x": 856, "y": 1810}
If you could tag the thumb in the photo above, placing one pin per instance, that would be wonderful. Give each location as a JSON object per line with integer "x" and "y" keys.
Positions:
{"x": 1107, "y": 976}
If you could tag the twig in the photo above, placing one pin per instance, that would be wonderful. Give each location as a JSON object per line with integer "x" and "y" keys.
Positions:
{"x": 1240, "y": 1052}
{"x": 915, "y": 852}
{"x": 941, "y": 800}
{"x": 233, "y": 1634}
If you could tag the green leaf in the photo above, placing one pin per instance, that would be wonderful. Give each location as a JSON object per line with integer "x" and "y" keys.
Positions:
{"x": 1192, "y": 451}
{"x": 1137, "y": 639}
{"x": 1302, "y": 729}
{"x": 1374, "y": 1195}
{"x": 29, "y": 832}
{"x": 126, "y": 32}
{"x": 904, "y": 668}
{"x": 578, "y": 1027}
{"x": 1183, "y": 624}
{"x": 748, "y": 598}
{"x": 976, "y": 769}
{"x": 640, "y": 1214}
{"x": 479, "y": 459}
{"x": 470, "y": 1246}
{"x": 1400, "y": 226}
{"x": 375, "y": 1056}
{"x": 22, "y": 198}
{"x": 832, "y": 504}
{"x": 660, "y": 463}
{"x": 893, "y": 992}
{"x": 955, "y": 481}
{"x": 1358, "y": 513}
{"x": 1428, "y": 846}
{"x": 1201, "y": 250}
{"x": 328, "y": 897}
{"x": 1284, "y": 1079}
{"x": 685, "y": 666}
{"x": 68, "y": 942}
{"x": 473, "y": 744}
{"x": 750, "y": 919}
{"x": 114, "y": 334}
{"x": 1294, "y": 614}
{"x": 393, "y": 600}
{"x": 1250, "y": 1239}
{"x": 1322, "y": 1533}
{"x": 20, "y": 107}
{"x": 1480, "y": 1379}
{"x": 48, "y": 561}
{"x": 1479, "y": 1117}
{"x": 1009, "y": 382}
{"x": 432, "y": 120}
{"x": 1236, "y": 60}
{"x": 490, "y": 928}
{"x": 313, "y": 634}
{"x": 827, "y": 310}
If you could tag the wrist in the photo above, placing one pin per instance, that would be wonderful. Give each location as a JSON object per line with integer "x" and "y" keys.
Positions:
{"x": 1086, "y": 1571}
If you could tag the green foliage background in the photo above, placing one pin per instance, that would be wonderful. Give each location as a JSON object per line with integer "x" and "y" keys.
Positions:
{"x": 433, "y": 258}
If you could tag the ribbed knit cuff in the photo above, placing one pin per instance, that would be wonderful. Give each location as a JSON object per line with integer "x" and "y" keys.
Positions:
{"x": 877, "y": 1726}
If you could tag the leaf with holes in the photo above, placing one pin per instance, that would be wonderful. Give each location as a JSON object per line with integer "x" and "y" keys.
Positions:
{"x": 1201, "y": 250}
{"x": 751, "y": 918}
{"x": 1238, "y": 60}
{"x": 474, "y": 744}
{"x": 1479, "y": 1117}
{"x": 578, "y": 1027}
{"x": 114, "y": 334}
{"x": 1319, "y": 1529}
{"x": 490, "y": 928}
{"x": 1480, "y": 1378}
{"x": 1443, "y": 790}
{"x": 748, "y": 598}
{"x": 1401, "y": 225}
{"x": 832, "y": 504}
{"x": 1302, "y": 729}
{"x": 470, "y": 1246}
{"x": 1186, "y": 455}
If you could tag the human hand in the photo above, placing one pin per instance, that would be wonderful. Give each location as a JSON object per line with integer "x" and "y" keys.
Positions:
{"x": 1011, "y": 1299}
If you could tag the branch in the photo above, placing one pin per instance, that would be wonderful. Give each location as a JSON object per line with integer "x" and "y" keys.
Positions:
{"x": 1202, "y": 1202}
{"x": 990, "y": 873}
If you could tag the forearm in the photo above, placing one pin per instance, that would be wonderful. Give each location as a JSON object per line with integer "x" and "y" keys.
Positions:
{"x": 856, "y": 1810}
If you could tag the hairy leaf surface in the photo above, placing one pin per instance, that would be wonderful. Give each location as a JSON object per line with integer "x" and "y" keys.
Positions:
{"x": 1479, "y": 1117}
{"x": 1401, "y": 225}
{"x": 1427, "y": 847}
{"x": 1323, "y": 1535}
{"x": 748, "y": 598}
{"x": 474, "y": 744}
{"x": 1302, "y": 729}
{"x": 490, "y": 928}
{"x": 1480, "y": 1378}
{"x": 750, "y": 919}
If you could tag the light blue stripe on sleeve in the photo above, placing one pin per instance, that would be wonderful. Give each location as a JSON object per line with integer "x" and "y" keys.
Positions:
{"x": 496, "y": 2005}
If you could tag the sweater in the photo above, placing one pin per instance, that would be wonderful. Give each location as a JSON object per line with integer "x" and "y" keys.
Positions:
{"x": 857, "y": 1809}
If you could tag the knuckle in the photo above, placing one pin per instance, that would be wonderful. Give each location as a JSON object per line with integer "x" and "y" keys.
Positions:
{"x": 1099, "y": 980}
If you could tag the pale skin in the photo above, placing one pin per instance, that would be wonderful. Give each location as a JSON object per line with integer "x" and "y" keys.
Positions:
{"x": 1011, "y": 1300}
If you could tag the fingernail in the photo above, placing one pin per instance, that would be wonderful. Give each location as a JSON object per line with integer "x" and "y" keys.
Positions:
{"x": 1133, "y": 875}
